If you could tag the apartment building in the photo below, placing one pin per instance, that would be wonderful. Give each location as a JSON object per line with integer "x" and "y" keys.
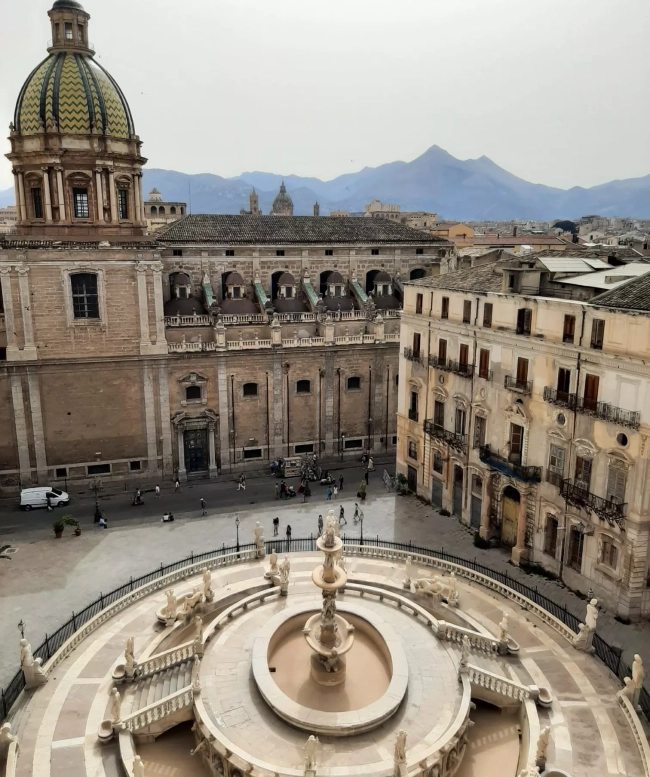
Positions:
{"x": 527, "y": 417}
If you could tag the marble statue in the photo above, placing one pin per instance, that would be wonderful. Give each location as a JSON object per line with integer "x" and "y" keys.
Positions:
{"x": 628, "y": 689}
{"x": 32, "y": 669}
{"x": 196, "y": 682}
{"x": 329, "y": 608}
{"x": 198, "y": 635}
{"x": 464, "y": 655}
{"x": 399, "y": 756}
{"x": 581, "y": 639}
{"x": 330, "y": 530}
{"x": 408, "y": 572}
{"x": 138, "y": 767}
{"x": 172, "y": 605}
{"x": 503, "y": 628}
{"x": 116, "y": 706}
{"x": 637, "y": 677}
{"x": 208, "y": 593}
{"x": 192, "y": 600}
{"x": 342, "y": 563}
{"x": 129, "y": 660}
{"x": 310, "y": 749}
{"x": 529, "y": 771}
{"x": 285, "y": 569}
{"x": 273, "y": 569}
{"x": 452, "y": 591}
{"x": 331, "y": 662}
{"x": 591, "y": 616}
{"x": 258, "y": 532}
{"x": 6, "y": 738}
{"x": 542, "y": 747}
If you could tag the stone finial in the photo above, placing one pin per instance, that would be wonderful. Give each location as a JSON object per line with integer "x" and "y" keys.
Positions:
{"x": 138, "y": 767}
{"x": 399, "y": 754}
{"x": 408, "y": 572}
{"x": 116, "y": 706}
{"x": 503, "y": 628}
{"x": 542, "y": 747}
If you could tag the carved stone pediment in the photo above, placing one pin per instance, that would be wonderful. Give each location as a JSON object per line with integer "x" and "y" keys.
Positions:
{"x": 462, "y": 402}
{"x": 480, "y": 410}
{"x": 585, "y": 449}
{"x": 518, "y": 410}
{"x": 440, "y": 394}
{"x": 556, "y": 434}
{"x": 193, "y": 379}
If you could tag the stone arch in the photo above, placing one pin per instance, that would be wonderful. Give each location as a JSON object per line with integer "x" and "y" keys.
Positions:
{"x": 417, "y": 273}
{"x": 161, "y": 210}
{"x": 370, "y": 280}
{"x": 154, "y": 210}
{"x": 172, "y": 210}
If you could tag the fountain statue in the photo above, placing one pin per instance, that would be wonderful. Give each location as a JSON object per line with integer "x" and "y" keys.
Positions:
{"x": 328, "y": 634}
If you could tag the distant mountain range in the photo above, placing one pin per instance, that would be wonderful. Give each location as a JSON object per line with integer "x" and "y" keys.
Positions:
{"x": 470, "y": 190}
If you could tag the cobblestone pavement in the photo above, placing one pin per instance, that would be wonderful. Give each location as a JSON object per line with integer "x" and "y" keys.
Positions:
{"x": 46, "y": 579}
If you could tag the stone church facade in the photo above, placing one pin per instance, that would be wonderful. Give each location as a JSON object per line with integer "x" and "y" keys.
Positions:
{"x": 220, "y": 342}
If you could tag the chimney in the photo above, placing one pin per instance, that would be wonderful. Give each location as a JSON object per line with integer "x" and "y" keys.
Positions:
{"x": 514, "y": 231}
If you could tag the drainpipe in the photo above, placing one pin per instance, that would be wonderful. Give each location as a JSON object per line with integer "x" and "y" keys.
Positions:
{"x": 426, "y": 395}
{"x": 321, "y": 373}
{"x": 234, "y": 433}
{"x": 387, "y": 402}
{"x": 286, "y": 367}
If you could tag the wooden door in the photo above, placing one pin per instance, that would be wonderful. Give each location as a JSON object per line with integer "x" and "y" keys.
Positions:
{"x": 591, "y": 392}
{"x": 516, "y": 443}
{"x": 436, "y": 493}
{"x": 509, "y": 517}
{"x": 457, "y": 500}
{"x": 475, "y": 515}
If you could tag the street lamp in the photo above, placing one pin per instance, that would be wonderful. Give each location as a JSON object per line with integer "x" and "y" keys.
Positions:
{"x": 342, "y": 444}
{"x": 96, "y": 488}
{"x": 237, "y": 526}
{"x": 361, "y": 520}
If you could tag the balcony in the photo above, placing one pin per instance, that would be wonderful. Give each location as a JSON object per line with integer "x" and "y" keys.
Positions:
{"x": 520, "y": 386}
{"x": 612, "y": 512}
{"x": 554, "y": 477}
{"x": 451, "y": 365}
{"x": 484, "y": 374}
{"x": 606, "y": 412}
{"x": 413, "y": 356}
{"x": 501, "y": 464}
{"x": 454, "y": 440}
{"x": 413, "y": 415}
{"x": 560, "y": 398}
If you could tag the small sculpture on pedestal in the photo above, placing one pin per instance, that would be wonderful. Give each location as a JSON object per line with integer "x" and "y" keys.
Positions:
{"x": 116, "y": 707}
{"x": 452, "y": 591}
{"x": 258, "y": 531}
{"x": 542, "y": 747}
{"x": 585, "y": 635}
{"x": 399, "y": 755}
{"x": 285, "y": 571}
{"x": 6, "y": 738}
{"x": 591, "y": 616}
{"x": 129, "y": 660}
{"x": 208, "y": 593}
{"x": 198, "y": 636}
{"x": 273, "y": 573}
{"x": 637, "y": 677}
{"x": 311, "y": 750}
{"x": 503, "y": 628}
{"x": 464, "y": 655}
{"x": 192, "y": 601}
{"x": 32, "y": 669}
{"x": 408, "y": 572}
{"x": 171, "y": 608}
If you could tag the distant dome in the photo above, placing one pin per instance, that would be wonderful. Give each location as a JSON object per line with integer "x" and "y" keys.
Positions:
{"x": 234, "y": 279}
{"x": 335, "y": 277}
{"x": 67, "y": 4}
{"x": 74, "y": 93}
{"x": 282, "y": 204}
{"x": 286, "y": 279}
{"x": 382, "y": 277}
{"x": 154, "y": 196}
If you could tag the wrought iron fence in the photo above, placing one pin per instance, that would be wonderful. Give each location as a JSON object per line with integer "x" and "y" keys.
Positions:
{"x": 611, "y": 656}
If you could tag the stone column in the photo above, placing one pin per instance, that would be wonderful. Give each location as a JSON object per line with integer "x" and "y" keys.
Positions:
{"x": 21, "y": 194}
{"x": 378, "y": 406}
{"x": 99, "y": 186}
{"x": 212, "y": 464}
{"x": 150, "y": 418}
{"x": 8, "y": 302}
{"x": 159, "y": 305}
{"x": 224, "y": 414}
{"x": 29, "y": 349}
{"x": 59, "y": 188}
{"x": 143, "y": 215}
{"x": 21, "y": 430}
{"x": 519, "y": 551}
{"x": 113, "y": 193}
{"x": 143, "y": 307}
{"x": 180, "y": 441}
{"x": 17, "y": 195}
{"x": 37, "y": 427}
{"x": 379, "y": 326}
{"x": 47, "y": 195}
{"x": 136, "y": 199}
{"x": 486, "y": 504}
{"x": 329, "y": 381}
{"x": 165, "y": 420}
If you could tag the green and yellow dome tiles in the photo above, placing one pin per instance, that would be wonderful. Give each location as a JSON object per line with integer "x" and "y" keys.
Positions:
{"x": 76, "y": 93}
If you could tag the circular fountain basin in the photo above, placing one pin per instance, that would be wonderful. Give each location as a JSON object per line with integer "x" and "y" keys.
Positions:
{"x": 376, "y": 682}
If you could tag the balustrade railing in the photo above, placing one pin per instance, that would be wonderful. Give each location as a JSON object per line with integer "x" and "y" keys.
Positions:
{"x": 194, "y": 320}
{"x": 392, "y": 338}
{"x": 455, "y": 634}
{"x": 158, "y": 710}
{"x": 165, "y": 659}
{"x": 297, "y": 318}
{"x": 455, "y": 440}
{"x": 247, "y": 345}
{"x": 301, "y": 342}
{"x": 609, "y": 510}
{"x": 521, "y": 386}
{"x": 559, "y": 398}
{"x": 606, "y": 412}
{"x": 508, "y": 688}
{"x": 502, "y": 464}
{"x": 451, "y": 365}
{"x": 248, "y": 318}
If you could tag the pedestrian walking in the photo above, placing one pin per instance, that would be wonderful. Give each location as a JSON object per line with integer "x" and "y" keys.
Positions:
{"x": 276, "y": 525}
{"x": 241, "y": 483}
{"x": 306, "y": 492}
{"x": 367, "y": 476}
{"x": 204, "y": 507}
{"x": 371, "y": 464}
{"x": 177, "y": 486}
{"x": 329, "y": 493}
{"x": 288, "y": 532}
{"x": 320, "y": 525}
{"x": 336, "y": 491}
{"x": 48, "y": 502}
{"x": 342, "y": 519}
{"x": 283, "y": 490}
{"x": 157, "y": 490}
{"x": 355, "y": 517}
{"x": 341, "y": 483}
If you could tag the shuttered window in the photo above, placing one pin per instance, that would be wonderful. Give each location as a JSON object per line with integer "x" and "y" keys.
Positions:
{"x": 616, "y": 483}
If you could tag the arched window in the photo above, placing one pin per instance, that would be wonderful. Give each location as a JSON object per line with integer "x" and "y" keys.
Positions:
{"x": 37, "y": 202}
{"x": 303, "y": 387}
{"x": 250, "y": 389}
{"x": 193, "y": 393}
{"x": 154, "y": 210}
{"x": 85, "y": 296}
{"x": 161, "y": 211}
{"x": 413, "y": 450}
{"x": 182, "y": 211}
{"x": 172, "y": 210}
{"x": 550, "y": 536}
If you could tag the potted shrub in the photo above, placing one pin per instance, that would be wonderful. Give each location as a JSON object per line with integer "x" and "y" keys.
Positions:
{"x": 58, "y": 527}
{"x": 362, "y": 491}
{"x": 68, "y": 520}
{"x": 402, "y": 483}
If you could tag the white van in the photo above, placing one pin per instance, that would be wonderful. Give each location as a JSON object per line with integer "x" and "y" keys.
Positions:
{"x": 37, "y": 497}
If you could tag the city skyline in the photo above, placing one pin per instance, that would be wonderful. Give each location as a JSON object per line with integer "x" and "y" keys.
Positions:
{"x": 270, "y": 96}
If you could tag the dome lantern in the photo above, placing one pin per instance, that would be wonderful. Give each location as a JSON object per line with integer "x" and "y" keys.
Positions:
{"x": 69, "y": 27}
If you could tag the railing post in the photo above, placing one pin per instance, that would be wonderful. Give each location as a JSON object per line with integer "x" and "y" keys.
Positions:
{"x": 74, "y": 621}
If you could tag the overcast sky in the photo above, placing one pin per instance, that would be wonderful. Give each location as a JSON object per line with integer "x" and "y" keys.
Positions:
{"x": 555, "y": 91}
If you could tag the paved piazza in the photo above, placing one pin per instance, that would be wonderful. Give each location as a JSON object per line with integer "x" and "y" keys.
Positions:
{"x": 236, "y": 731}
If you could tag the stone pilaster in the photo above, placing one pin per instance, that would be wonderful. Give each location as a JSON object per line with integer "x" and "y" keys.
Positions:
{"x": 29, "y": 349}
{"x": 165, "y": 421}
{"x": 159, "y": 310}
{"x": 143, "y": 307}
{"x": 277, "y": 422}
{"x": 33, "y": 385}
{"x": 59, "y": 188}
{"x": 8, "y": 302}
{"x": 329, "y": 386}
{"x": 21, "y": 431}
{"x": 113, "y": 193}
{"x": 150, "y": 418}
{"x": 378, "y": 404}
{"x": 99, "y": 194}
{"x": 47, "y": 195}
{"x": 22, "y": 207}
{"x": 224, "y": 413}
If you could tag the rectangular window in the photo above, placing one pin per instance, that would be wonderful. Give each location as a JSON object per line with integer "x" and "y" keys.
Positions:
{"x": 419, "y": 299}
{"x": 480, "y": 426}
{"x": 280, "y": 252}
{"x": 416, "y": 345}
{"x": 123, "y": 203}
{"x": 135, "y": 466}
{"x": 522, "y": 372}
{"x": 3, "y": 354}
{"x": 439, "y": 414}
{"x": 616, "y": 482}
{"x": 68, "y": 30}
{"x": 556, "y": 465}
{"x": 80, "y": 33}
{"x": 353, "y": 444}
{"x": 576, "y": 542}
{"x": 57, "y": 32}
{"x": 329, "y": 252}
{"x": 467, "y": 311}
{"x": 487, "y": 315}
{"x": 437, "y": 462}
{"x": 516, "y": 443}
{"x": 61, "y": 472}
{"x": 597, "y": 333}
{"x": 177, "y": 252}
{"x": 550, "y": 536}
{"x": 511, "y": 281}
{"x": 569, "y": 331}
{"x": 463, "y": 355}
{"x": 252, "y": 453}
{"x": 85, "y": 296}
{"x": 563, "y": 384}
{"x": 419, "y": 251}
{"x": 230, "y": 252}
{"x": 592, "y": 383}
{"x": 80, "y": 199}
{"x": 99, "y": 469}
{"x": 375, "y": 252}
{"x": 307, "y": 447}
{"x": 609, "y": 554}
{"x": 413, "y": 408}
{"x": 484, "y": 363}
{"x": 354, "y": 384}
{"x": 583, "y": 473}
{"x": 442, "y": 352}
{"x": 459, "y": 422}
{"x": 524, "y": 318}
{"x": 445, "y": 308}
{"x": 37, "y": 202}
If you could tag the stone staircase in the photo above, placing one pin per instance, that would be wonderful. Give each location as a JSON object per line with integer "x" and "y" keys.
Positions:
{"x": 158, "y": 685}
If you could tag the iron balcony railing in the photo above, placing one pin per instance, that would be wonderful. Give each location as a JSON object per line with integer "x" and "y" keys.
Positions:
{"x": 453, "y": 439}
{"x": 451, "y": 365}
{"x": 412, "y": 356}
{"x": 522, "y": 386}
{"x": 502, "y": 464}
{"x": 560, "y": 398}
{"x": 554, "y": 477}
{"x": 413, "y": 415}
{"x": 612, "y": 511}
{"x": 607, "y": 412}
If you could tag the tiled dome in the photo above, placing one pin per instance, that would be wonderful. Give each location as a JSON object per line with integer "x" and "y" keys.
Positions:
{"x": 75, "y": 92}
